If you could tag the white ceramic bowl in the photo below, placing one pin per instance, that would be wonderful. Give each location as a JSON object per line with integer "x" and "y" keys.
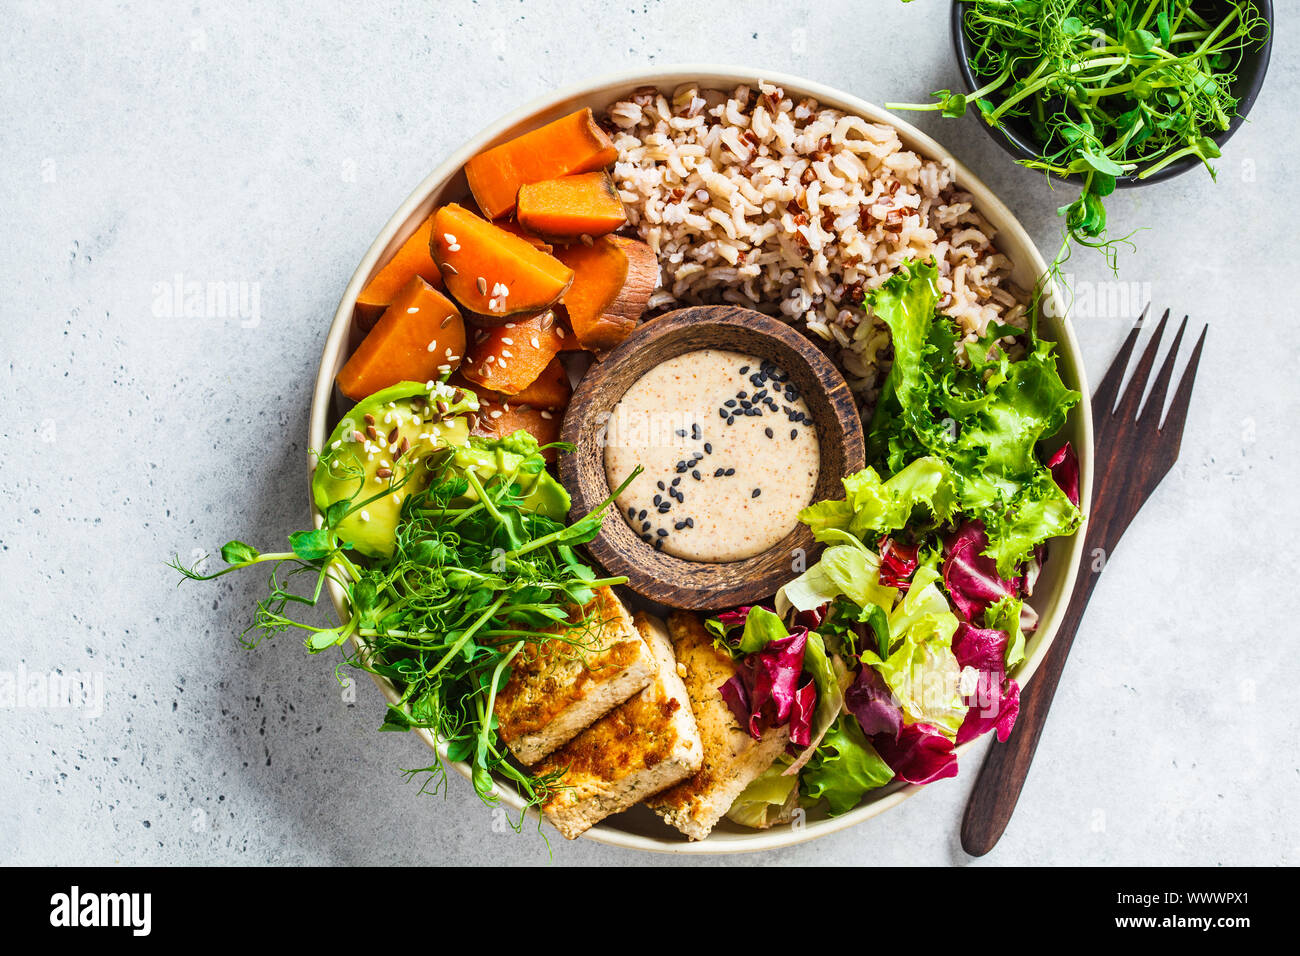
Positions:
{"x": 637, "y": 828}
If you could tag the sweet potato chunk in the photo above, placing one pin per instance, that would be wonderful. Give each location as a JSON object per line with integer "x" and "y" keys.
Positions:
{"x": 572, "y": 206}
{"x": 571, "y": 144}
{"x": 613, "y": 280}
{"x": 417, "y": 338}
{"x": 496, "y": 419}
{"x": 492, "y": 272}
{"x": 510, "y": 226}
{"x": 508, "y": 358}
{"x": 411, "y": 259}
{"x": 550, "y": 390}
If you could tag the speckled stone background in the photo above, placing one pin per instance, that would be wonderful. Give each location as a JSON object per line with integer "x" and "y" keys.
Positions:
{"x": 259, "y": 143}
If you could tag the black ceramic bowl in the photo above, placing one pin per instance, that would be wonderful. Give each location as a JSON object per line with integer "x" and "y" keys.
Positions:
{"x": 1017, "y": 138}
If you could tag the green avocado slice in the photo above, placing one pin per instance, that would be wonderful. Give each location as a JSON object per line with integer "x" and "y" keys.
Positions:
{"x": 360, "y": 459}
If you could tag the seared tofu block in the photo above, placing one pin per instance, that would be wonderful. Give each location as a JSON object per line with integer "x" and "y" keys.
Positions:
{"x": 559, "y": 687}
{"x": 732, "y": 758}
{"x": 637, "y": 749}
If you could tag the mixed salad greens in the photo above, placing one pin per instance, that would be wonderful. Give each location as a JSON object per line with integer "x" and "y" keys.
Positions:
{"x": 897, "y": 644}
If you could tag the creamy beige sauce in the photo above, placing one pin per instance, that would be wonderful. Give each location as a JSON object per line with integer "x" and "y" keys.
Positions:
{"x": 729, "y": 450}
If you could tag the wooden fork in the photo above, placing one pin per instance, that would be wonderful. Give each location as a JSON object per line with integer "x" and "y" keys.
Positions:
{"x": 1133, "y": 453}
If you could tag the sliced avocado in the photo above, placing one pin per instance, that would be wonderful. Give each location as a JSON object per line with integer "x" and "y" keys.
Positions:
{"x": 540, "y": 491}
{"x": 427, "y": 417}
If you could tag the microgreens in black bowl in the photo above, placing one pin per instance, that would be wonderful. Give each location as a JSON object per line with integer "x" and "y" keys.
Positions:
{"x": 1108, "y": 92}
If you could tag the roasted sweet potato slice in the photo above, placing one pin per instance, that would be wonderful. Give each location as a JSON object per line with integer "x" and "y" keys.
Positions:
{"x": 411, "y": 259}
{"x": 572, "y": 206}
{"x": 509, "y": 358}
{"x": 571, "y": 144}
{"x": 510, "y": 226}
{"x": 550, "y": 390}
{"x": 492, "y": 272}
{"x": 502, "y": 418}
{"x": 613, "y": 280}
{"x": 419, "y": 336}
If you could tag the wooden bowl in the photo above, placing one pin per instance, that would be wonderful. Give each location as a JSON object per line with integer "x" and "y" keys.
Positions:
{"x": 665, "y": 578}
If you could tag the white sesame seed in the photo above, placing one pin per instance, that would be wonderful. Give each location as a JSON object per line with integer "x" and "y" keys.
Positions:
{"x": 365, "y": 515}
{"x": 336, "y": 444}
{"x": 534, "y": 343}
{"x": 507, "y": 341}
{"x": 432, "y": 345}
{"x": 489, "y": 360}
{"x": 502, "y": 363}
{"x": 506, "y": 353}
{"x": 509, "y": 325}
{"x": 547, "y": 415}
{"x": 495, "y": 413}
{"x": 412, "y": 310}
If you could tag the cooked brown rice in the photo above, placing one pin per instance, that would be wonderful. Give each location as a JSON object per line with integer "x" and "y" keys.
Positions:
{"x": 755, "y": 199}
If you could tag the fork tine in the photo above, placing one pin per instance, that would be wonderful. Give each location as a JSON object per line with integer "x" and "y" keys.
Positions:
{"x": 1103, "y": 401}
{"x": 1155, "y": 402}
{"x": 1131, "y": 400}
{"x": 1177, "y": 417}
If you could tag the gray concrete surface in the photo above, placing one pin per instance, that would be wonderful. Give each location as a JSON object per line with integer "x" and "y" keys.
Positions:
{"x": 266, "y": 144}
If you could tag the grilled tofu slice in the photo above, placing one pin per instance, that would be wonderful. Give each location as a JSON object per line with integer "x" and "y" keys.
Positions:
{"x": 732, "y": 758}
{"x": 639, "y": 748}
{"x": 558, "y": 688}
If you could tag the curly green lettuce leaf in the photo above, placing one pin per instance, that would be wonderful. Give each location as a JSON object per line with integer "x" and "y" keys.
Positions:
{"x": 983, "y": 420}
{"x": 844, "y": 768}
{"x": 872, "y": 504}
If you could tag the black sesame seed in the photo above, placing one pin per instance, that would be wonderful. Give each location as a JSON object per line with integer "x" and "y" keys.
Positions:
{"x": 744, "y": 369}
{"x": 690, "y": 522}
{"x": 659, "y": 499}
{"x": 708, "y": 449}
{"x": 695, "y": 432}
{"x": 659, "y": 544}
{"x": 645, "y": 526}
{"x": 681, "y": 433}
{"x": 730, "y": 403}
{"x": 659, "y": 485}
{"x": 742, "y": 394}
{"x": 676, "y": 482}
{"x": 642, "y": 515}
{"x": 664, "y": 508}
{"x": 745, "y": 404}
{"x": 794, "y": 433}
{"x": 756, "y": 492}
{"x": 631, "y": 512}
{"x": 767, "y": 432}
{"x": 731, "y": 420}
{"x": 722, "y": 413}
{"x": 679, "y": 526}
{"x": 696, "y": 474}
{"x": 729, "y": 472}
{"x": 719, "y": 473}
{"x": 662, "y": 533}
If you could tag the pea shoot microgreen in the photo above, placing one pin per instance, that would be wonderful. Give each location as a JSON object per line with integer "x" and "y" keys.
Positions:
{"x": 475, "y": 580}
